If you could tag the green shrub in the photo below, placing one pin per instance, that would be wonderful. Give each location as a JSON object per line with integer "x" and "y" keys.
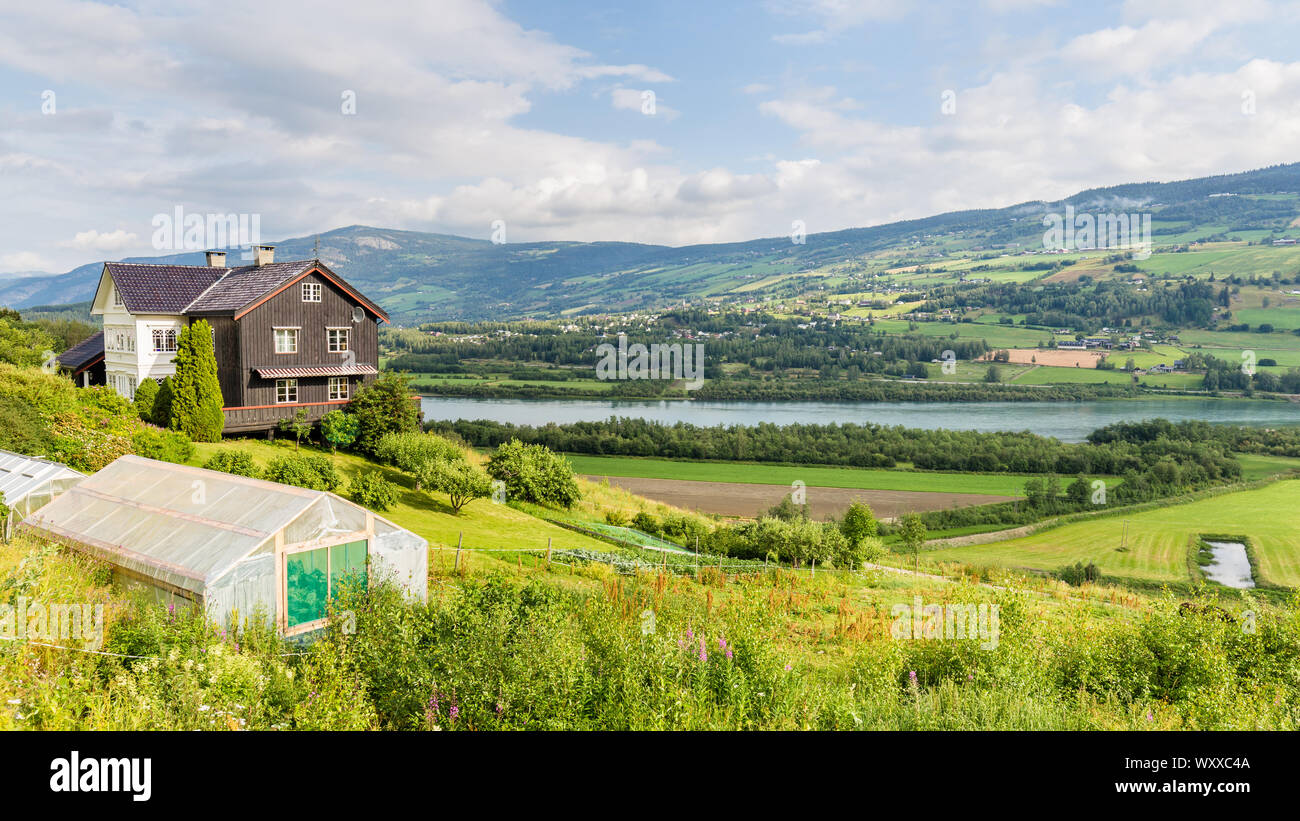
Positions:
{"x": 370, "y": 489}
{"x": 145, "y": 397}
{"x": 533, "y": 473}
{"x": 340, "y": 429}
{"x": 233, "y": 460}
{"x": 646, "y": 522}
{"x": 164, "y": 445}
{"x": 1080, "y": 573}
{"x": 311, "y": 471}
{"x": 384, "y": 406}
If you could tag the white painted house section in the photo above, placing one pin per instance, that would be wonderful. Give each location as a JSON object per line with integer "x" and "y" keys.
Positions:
{"x": 136, "y": 347}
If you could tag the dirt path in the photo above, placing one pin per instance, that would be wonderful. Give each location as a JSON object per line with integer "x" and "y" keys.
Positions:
{"x": 743, "y": 499}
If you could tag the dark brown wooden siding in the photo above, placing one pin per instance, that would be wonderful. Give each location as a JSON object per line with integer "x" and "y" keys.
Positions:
{"x": 286, "y": 309}
{"x": 225, "y": 334}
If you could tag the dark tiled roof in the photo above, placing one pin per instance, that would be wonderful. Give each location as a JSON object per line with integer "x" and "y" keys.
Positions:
{"x": 241, "y": 286}
{"x": 160, "y": 289}
{"x": 317, "y": 370}
{"x": 200, "y": 289}
{"x": 83, "y": 353}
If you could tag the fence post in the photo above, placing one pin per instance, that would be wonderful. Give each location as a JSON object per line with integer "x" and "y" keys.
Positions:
{"x": 548, "y": 551}
{"x": 456, "y": 567}
{"x": 814, "y": 568}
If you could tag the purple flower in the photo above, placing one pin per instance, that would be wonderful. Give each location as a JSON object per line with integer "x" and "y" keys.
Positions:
{"x": 787, "y": 668}
{"x": 911, "y": 674}
{"x": 453, "y": 712}
{"x": 722, "y": 644}
{"x": 728, "y": 654}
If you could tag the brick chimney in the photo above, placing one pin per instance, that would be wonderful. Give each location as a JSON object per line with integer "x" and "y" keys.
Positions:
{"x": 216, "y": 259}
{"x": 263, "y": 255}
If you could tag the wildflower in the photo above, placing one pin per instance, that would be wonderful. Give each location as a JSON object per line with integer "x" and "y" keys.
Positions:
{"x": 911, "y": 674}
{"x": 453, "y": 712}
{"x": 1149, "y": 716}
{"x": 728, "y": 654}
{"x": 787, "y": 668}
{"x": 722, "y": 644}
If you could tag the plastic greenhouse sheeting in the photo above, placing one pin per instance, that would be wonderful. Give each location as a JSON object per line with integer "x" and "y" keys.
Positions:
{"x": 213, "y": 534}
{"x": 30, "y": 482}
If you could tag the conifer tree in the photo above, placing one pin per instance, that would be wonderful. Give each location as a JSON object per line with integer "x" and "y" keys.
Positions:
{"x": 196, "y": 401}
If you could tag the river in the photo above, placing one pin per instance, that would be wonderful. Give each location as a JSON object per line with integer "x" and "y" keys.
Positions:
{"x": 1067, "y": 421}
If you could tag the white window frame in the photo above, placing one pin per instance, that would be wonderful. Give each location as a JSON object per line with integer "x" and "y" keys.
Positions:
{"x": 165, "y": 334}
{"x": 290, "y": 388}
{"x": 292, "y": 334}
{"x": 344, "y": 337}
{"x": 335, "y": 393}
{"x": 117, "y": 296}
{"x": 311, "y": 292}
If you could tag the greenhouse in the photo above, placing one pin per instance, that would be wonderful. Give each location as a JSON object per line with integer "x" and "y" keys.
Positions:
{"x": 233, "y": 545}
{"x": 29, "y": 483}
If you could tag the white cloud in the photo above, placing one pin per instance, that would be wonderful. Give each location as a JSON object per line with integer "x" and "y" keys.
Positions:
{"x": 93, "y": 240}
{"x": 23, "y": 261}
{"x": 831, "y": 17}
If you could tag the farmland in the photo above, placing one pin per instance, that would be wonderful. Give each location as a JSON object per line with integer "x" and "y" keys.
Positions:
{"x": 1157, "y": 540}
{"x": 770, "y": 474}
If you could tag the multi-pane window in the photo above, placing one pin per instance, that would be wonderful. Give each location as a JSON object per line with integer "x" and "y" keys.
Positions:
{"x": 338, "y": 339}
{"x": 164, "y": 340}
{"x": 311, "y": 292}
{"x": 119, "y": 340}
{"x": 117, "y": 296}
{"x": 286, "y": 340}
{"x": 286, "y": 390}
{"x": 338, "y": 387}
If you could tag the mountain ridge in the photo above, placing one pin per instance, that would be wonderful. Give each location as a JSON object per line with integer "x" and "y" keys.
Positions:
{"x": 421, "y": 276}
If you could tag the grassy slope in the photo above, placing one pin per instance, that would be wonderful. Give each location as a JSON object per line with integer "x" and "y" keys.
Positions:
{"x": 999, "y": 484}
{"x": 1158, "y": 539}
{"x": 484, "y": 523}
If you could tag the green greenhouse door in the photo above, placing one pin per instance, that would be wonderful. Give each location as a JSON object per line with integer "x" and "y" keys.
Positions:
{"x": 313, "y": 577}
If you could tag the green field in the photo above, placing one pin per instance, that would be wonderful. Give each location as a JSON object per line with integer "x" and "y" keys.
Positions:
{"x": 1158, "y": 539}
{"x": 1000, "y": 484}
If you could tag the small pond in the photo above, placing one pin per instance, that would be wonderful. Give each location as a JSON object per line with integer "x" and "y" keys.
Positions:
{"x": 1231, "y": 565}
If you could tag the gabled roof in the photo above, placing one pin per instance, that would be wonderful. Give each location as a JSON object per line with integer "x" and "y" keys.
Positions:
{"x": 205, "y": 290}
{"x": 244, "y": 285}
{"x": 160, "y": 289}
{"x": 84, "y": 353}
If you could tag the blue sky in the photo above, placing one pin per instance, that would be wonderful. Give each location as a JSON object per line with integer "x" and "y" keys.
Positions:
{"x": 470, "y": 112}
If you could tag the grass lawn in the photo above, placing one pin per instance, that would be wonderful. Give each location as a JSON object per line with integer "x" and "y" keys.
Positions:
{"x": 484, "y": 523}
{"x": 866, "y": 479}
{"x": 1158, "y": 539}
{"x": 1256, "y": 466}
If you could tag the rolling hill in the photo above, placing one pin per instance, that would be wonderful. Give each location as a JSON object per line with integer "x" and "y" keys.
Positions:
{"x": 424, "y": 276}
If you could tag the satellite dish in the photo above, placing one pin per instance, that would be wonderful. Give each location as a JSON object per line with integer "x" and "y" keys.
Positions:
{"x": 358, "y": 313}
